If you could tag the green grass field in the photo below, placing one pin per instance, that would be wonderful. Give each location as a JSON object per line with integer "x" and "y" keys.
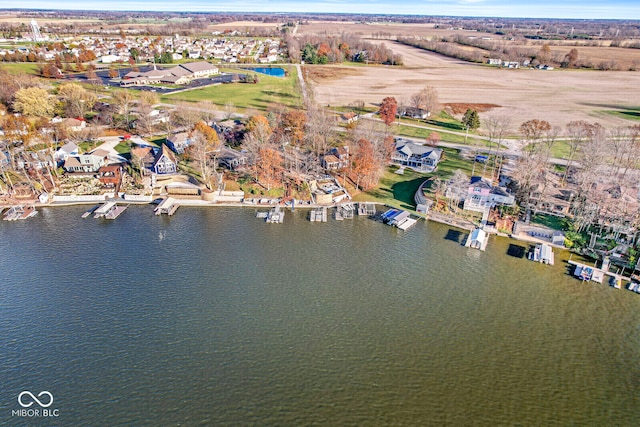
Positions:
{"x": 399, "y": 190}
{"x": 267, "y": 92}
{"x": 19, "y": 67}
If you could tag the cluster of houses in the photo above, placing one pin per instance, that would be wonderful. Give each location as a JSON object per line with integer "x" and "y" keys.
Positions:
{"x": 116, "y": 49}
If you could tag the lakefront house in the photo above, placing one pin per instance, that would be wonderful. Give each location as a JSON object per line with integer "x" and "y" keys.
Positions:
{"x": 415, "y": 156}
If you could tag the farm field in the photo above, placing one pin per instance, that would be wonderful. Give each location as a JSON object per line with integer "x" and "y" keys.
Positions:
{"x": 558, "y": 96}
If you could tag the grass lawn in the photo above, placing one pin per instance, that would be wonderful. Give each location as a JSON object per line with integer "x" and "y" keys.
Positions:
{"x": 267, "y": 92}
{"x": 452, "y": 161}
{"x": 560, "y": 150}
{"x": 20, "y": 67}
{"x": 395, "y": 190}
{"x": 399, "y": 190}
{"x": 422, "y": 133}
{"x": 550, "y": 221}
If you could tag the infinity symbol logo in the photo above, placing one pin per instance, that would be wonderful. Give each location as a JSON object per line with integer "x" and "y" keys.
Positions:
{"x": 35, "y": 399}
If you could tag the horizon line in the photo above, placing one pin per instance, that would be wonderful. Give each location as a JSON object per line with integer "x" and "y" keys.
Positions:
{"x": 312, "y": 13}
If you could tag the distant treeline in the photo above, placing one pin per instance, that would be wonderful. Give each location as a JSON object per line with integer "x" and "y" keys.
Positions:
{"x": 323, "y": 49}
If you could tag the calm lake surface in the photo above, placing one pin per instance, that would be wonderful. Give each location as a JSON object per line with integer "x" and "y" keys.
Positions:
{"x": 213, "y": 317}
{"x": 271, "y": 71}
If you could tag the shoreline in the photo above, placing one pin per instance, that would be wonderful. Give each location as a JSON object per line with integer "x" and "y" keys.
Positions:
{"x": 431, "y": 216}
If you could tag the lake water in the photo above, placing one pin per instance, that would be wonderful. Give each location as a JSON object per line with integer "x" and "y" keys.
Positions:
{"x": 271, "y": 71}
{"x": 213, "y": 317}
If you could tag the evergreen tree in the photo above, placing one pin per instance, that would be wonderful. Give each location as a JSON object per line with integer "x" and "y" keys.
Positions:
{"x": 471, "y": 120}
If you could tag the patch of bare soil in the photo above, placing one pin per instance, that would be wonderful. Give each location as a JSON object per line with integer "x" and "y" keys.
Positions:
{"x": 321, "y": 74}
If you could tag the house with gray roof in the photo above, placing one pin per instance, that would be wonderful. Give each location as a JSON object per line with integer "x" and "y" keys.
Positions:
{"x": 416, "y": 156}
{"x": 165, "y": 161}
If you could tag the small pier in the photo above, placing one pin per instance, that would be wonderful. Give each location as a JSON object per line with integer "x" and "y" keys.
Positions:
{"x": 368, "y": 209}
{"x": 477, "y": 239}
{"x": 275, "y": 216}
{"x": 345, "y": 211}
{"x": 168, "y": 206}
{"x": 16, "y": 213}
{"x": 115, "y": 212}
{"x": 318, "y": 215}
{"x": 109, "y": 210}
{"x": 90, "y": 211}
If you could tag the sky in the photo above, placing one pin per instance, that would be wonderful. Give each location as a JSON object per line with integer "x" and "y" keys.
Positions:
{"x": 578, "y": 9}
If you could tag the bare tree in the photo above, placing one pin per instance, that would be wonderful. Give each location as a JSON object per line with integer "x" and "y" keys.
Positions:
{"x": 187, "y": 116}
{"x": 577, "y": 132}
{"x": 497, "y": 126}
{"x": 458, "y": 187}
{"x": 320, "y": 130}
{"x": 427, "y": 99}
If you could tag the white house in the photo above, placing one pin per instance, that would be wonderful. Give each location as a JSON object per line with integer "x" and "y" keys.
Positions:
{"x": 415, "y": 156}
{"x": 67, "y": 150}
{"x": 481, "y": 195}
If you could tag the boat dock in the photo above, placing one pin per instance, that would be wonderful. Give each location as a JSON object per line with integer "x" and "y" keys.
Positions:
{"x": 344, "y": 211}
{"x": 586, "y": 273}
{"x": 542, "y": 253}
{"x": 318, "y": 215}
{"x": 368, "y": 209}
{"x": 398, "y": 218}
{"x": 168, "y": 206}
{"x": 90, "y": 211}
{"x": 275, "y": 215}
{"x": 109, "y": 210}
{"x": 477, "y": 239}
{"x": 16, "y": 213}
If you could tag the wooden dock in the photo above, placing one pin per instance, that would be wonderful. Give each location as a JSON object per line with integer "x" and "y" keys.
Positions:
{"x": 115, "y": 212}
{"x": 318, "y": 215}
{"x": 16, "y": 213}
{"x": 110, "y": 210}
{"x": 104, "y": 209}
{"x": 90, "y": 211}
{"x": 168, "y": 206}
